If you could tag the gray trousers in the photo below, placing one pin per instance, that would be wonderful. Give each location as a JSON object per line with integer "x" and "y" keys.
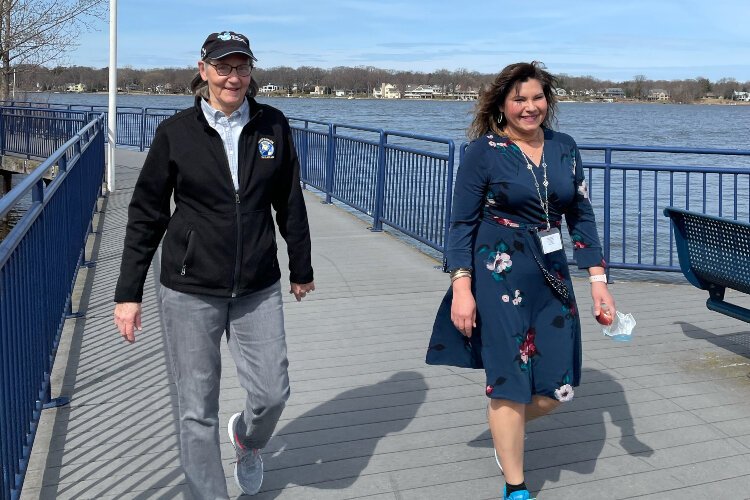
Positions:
{"x": 194, "y": 326}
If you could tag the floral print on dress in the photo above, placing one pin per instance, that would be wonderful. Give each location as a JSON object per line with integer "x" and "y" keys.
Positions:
{"x": 502, "y": 144}
{"x": 491, "y": 387}
{"x": 577, "y": 240}
{"x": 583, "y": 190}
{"x": 569, "y": 310}
{"x": 517, "y": 298}
{"x": 565, "y": 391}
{"x": 498, "y": 260}
{"x": 526, "y": 348}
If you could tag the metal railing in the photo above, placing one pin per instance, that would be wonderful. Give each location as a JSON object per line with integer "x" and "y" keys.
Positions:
{"x": 135, "y": 126}
{"x": 405, "y": 181}
{"x": 39, "y": 260}
{"x": 400, "y": 179}
{"x": 37, "y": 133}
{"x": 629, "y": 196}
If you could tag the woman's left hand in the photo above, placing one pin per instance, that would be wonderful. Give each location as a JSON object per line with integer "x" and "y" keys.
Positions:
{"x": 300, "y": 290}
{"x": 600, "y": 294}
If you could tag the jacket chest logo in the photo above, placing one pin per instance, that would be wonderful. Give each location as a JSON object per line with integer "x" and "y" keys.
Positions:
{"x": 266, "y": 148}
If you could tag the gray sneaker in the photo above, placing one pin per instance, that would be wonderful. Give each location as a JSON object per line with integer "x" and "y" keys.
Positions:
{"x": 248, "y": 469}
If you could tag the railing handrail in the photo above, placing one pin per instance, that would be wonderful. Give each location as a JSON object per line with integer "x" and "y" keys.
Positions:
{"x": 45, "y": 248}
{"x": 663, "y": 149}
{"x": 14, "y": 196}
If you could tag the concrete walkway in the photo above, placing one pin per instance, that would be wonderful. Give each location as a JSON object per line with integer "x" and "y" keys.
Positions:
{"x": 664, "y": 416}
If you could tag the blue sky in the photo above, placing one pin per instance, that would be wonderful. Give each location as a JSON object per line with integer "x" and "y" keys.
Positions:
{"x": 668, "y": 39}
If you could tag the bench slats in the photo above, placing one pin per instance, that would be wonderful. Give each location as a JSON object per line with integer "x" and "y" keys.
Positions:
{"x": 714, "y": 255}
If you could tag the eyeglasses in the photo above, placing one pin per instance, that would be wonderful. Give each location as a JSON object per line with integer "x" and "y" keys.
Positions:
{"x": 224, "y": 69}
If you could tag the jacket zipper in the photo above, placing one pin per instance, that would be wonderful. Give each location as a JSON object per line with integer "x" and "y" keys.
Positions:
{"x": 242, "y": 147}
{"x": 189, "y": 238}
{"x": 238, "y": 250}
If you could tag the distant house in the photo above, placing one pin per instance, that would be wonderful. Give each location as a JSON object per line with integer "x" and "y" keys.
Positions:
{"x": 657, "y": 95}
{"x": 561, "y": 92}
{"x": 419, "y": 92}
{"x": 740, "y": 96}
{"x": 321, "y": 90}
{"x": 340, "y": 93}
{"x": 267, "y": 89}
{"x": 466, "y": 94}
{"x": 75, "y": 87}
{"x": 614, "y": 92}
{"x": 386, "y": 91}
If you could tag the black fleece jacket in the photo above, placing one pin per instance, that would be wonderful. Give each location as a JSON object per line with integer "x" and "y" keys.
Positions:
{"x": 219, "y": 241}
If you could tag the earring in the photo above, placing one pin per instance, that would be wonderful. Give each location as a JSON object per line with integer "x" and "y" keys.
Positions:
{"x": 500, "y": 118}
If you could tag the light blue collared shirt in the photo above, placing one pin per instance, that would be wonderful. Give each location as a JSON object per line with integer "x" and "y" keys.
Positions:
{"x": 229, "y": 129}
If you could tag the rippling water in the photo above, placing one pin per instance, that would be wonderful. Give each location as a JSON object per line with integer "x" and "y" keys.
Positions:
{"x": 703, "y": 126}
{"x": 684, "y": 125}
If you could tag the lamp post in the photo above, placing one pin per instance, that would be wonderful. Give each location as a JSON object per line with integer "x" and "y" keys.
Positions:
{"x": 112, "y": 109}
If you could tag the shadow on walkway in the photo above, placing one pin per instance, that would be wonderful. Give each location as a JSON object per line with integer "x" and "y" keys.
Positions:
{"x": 736, "y": 343}
{"x": 329, "y": 446}
{"x": 573, "y": 437}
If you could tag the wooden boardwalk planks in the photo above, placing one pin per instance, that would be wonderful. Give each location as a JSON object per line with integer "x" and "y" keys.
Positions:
{"x": 667, "y": 414}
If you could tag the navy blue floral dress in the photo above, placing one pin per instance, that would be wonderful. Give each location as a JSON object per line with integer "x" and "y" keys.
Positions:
{"x": 528, "y": 336}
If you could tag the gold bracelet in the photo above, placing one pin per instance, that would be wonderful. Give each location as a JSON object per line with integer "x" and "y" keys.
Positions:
{"x": 458, "y": 270}
{"x": 460, "y": 273}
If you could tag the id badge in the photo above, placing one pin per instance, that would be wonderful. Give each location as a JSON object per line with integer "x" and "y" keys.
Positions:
{"x": 550, "y": 239}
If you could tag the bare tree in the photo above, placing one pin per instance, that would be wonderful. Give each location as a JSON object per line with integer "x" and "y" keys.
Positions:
{"x": 33, "y": 32}
{"x": 638, "y": 90}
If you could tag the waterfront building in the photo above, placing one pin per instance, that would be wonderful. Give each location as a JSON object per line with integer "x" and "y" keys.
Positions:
{"x": 386, "y": 91}
{"x": 75, "y": 87}
{"x": 268, "y": 88}
{"x": 614, "y": 92}
{"x": 420, "y": 92}
{"x": 657, "y": 95}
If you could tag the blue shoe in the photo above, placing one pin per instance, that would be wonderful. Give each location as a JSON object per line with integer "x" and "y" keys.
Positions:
{"x": 517, "y": 495}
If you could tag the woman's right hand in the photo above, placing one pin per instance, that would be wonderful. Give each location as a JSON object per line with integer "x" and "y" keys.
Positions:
{"x": 128, "y": 319}
{"x": 463, "y": 307}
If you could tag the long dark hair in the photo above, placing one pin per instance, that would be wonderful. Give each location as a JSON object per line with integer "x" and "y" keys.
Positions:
{"x": 199, "y": 86}
{"x": 487, "y": 111}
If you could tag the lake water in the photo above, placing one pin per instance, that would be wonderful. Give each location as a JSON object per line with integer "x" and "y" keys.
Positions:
{"x": 694, "y": 126}
{"x": 709, "y": 126}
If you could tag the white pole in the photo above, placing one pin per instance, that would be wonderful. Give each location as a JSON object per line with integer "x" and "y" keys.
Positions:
{"x": 112, "y": 111}
{"x": 14, "y": 84}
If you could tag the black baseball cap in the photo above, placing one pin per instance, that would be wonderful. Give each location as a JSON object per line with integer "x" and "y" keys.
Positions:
{"x": 222, "y": 44}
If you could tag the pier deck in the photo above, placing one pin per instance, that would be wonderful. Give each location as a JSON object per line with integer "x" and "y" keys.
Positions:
{"x": 667, "y": 414}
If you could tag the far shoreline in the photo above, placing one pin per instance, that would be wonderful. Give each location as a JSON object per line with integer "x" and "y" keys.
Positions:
{"x": 707, "y": 102}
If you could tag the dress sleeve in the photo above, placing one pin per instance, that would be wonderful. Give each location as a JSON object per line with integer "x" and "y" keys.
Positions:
{"x": 587, "y": 249}
{"x": 468, "y": 198}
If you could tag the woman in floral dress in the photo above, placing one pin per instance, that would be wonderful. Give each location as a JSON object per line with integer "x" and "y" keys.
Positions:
{"x": 511, "y": 309}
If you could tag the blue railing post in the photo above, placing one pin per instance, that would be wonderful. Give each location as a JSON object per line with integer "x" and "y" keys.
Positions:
{"x": 449, "y": 193}
{"x": 304, "y": 155}
{"x": 143, "y": 129}
{"x": 330, "y": 160}
{"x": 377, "y": 223}
{"x": 607, "y": 208}
{"x": 27, "y": 132}
{"x": 2, "y": 131}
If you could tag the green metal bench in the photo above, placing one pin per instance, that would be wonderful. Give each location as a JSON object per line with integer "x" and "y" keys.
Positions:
{"x": 714, "y": 255}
